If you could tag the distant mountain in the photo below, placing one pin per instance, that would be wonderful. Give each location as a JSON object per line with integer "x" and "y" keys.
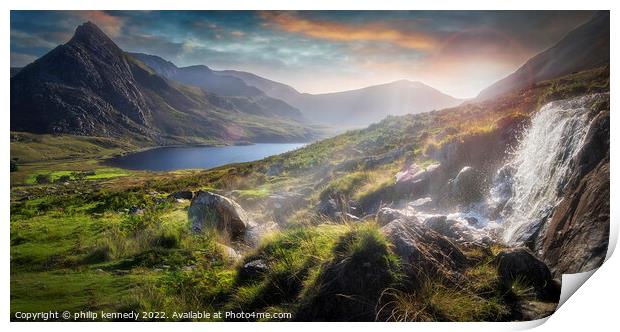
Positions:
{"x": 355, "y": 108}
{"x": 271, "y": 88}
{"x": 586, "y": 47}
{"x": 89, "y": 86}
{"x": 361, "y": 107}
{"x": 203, "y": 77}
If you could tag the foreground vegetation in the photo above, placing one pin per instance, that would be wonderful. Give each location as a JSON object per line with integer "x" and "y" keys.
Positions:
{"x": 88, "y": 237}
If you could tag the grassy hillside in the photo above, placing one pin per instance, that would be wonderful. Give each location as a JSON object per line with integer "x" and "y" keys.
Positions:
{"x": 119, "y": 243}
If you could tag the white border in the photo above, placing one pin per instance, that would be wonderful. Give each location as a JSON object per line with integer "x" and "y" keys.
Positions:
{"x": 592, "y": 307}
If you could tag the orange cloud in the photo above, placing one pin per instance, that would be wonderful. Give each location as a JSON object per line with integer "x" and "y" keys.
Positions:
{"x": 340, "y": 32}
{"x": 111, "y": 25}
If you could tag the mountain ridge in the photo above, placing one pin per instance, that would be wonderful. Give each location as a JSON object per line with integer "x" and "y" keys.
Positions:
{"x": 89, "y": 86}
{"x": 585, "y": 47}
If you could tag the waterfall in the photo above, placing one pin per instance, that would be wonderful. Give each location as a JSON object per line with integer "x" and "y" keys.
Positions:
{"x": 530, "y": 185}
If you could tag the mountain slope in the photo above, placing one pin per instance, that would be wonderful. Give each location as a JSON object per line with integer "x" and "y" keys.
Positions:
{"x": 271, "y": 88}
{"x": 586, "y": 47}
{"x": 203, "y": 77}
{"x": 364, "y": 106}
{"x": 354, "y": 108}
{"x": 89, "y": 86}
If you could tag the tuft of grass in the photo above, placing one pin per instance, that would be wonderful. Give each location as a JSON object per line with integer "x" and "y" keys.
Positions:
{"x": 349, "y": 285}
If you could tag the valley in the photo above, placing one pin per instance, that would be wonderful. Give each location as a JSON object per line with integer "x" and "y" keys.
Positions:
{"x": 461, "y": 210}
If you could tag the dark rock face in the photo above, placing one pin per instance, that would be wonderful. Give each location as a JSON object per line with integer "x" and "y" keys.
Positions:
{"x": 84, "y": 87}
{"x": 424, "y": 251}
{"x": 209, "y": 210}
{"x": 576, "y": 237}
{"x": 252, "y": 269}
{"x": 520, "y": 265}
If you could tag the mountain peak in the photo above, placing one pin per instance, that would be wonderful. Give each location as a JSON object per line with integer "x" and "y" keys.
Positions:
{"x": 89, "y": 33}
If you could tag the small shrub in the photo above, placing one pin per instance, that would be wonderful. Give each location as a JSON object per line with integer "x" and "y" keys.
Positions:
{"x": 42, "y": 179}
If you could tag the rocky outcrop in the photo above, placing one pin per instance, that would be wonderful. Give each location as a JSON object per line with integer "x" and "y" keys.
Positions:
{"x": 466, "y": 187}
{"x": 423, "y": 251}
{"x": 386, "y": 215}
{"x": 577, "y": 234}
{"x": 450, "y": 228}
{"x": 213, "y": 211}
{"x": 520, "y": 265}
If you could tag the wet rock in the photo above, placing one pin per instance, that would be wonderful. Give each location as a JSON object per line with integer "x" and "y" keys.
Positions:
{"x": 577, "y": 234}
{"x": 466, "y": 187}
{"x": 450, "y": 228}
{"x": 521, "y": 264}
{"x": 209, "y": 210}
{"x": 183, "y": 194}
{"x": 472, "y": 221}
{"x": 328, "y": 207}
{"x": 386, "y": 215}
{"x": 424, "y": 251}
{"x": 253, "y": 269}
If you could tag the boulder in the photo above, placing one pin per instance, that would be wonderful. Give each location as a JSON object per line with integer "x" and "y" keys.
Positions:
{"x": 386, "y": 215}
{"x": 521, "y": 264}
{"x": 423, "y": 251}
{"x": 183, "y": 194}
{"x": 209, "y": 210}
{"x": 466, "y": 187}
{"x": 252, "y": 269}
{"x": 416, "y": 174}
{"x": 449, "y": 228}
{"x": 230, "y": 254}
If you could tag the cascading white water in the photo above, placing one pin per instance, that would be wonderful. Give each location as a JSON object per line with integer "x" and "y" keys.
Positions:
{"x": 530, "y": 185}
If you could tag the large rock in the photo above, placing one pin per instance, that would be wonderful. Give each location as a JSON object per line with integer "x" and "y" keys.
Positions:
{"x": 416, "y": 174}
{"x": 209, "y": 210}
{"x": 386, "y": 215}
{"x": 452, "y": 229}
{"x": 466, "y": 187}
{"x": 520, "y": 264}
{"x": 577, "y": 235}
{"x": 423, "y": 251}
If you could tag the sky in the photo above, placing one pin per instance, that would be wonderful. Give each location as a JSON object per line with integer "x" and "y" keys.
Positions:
{"x": 457, "y": 52}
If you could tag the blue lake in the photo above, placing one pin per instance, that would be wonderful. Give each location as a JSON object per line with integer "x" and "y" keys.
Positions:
{"x": 198, "y": 157}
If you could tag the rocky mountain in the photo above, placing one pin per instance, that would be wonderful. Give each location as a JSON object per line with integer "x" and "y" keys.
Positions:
{"x": 89, "y": 86}
{"x": 15, "y": 70}
{"x": 586, "y": 47}
{"x": 355, "y": 108}
{"x": 271, "y": 88}
{"x": 203, "y": 77}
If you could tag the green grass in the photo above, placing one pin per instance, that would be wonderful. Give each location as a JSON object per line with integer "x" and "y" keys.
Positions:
{"x": 70, "y": 290}
{"x": 73, "y": 175}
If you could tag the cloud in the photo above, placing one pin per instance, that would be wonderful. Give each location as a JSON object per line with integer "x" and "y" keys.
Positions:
{"x": 22, "y": 39}
{"x": 333, "y": 31}
{"x": 21, "y": 60}
{"x": 110, "y": 24}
